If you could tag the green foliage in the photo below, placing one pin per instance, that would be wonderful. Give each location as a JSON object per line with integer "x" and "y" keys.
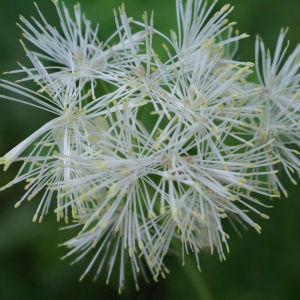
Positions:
{"x": 259, "y": 267}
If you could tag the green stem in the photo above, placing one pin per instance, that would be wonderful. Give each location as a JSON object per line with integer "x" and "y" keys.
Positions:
{"x": 201, "y": 288}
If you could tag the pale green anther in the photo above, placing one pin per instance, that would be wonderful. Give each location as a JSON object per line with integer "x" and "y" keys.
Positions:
{"x": 58, "y": 209}
{"x": 145, "y": 17}
{"x": 7, "y": 160}
{"x": 94, "y": 243}
{"x": 249, "y": 190}
{"x": 270, "y": 142}
{"x": 174, "y": 212}
{"x": 103, "y": 223}
{"x": 225, "y": 7}
{"x": 249, "y": 165}
{"x": 32, "y": 195}
{"x": 86, "y": 225}
{"x": 217, "y": 71}
{"x": 122, "y": 8}
{"x": 293, "y": 181}
{"x": 257, "y": 227}
{"x": 194, "y": 213}
{"x": 276, "y": 161}
{"x": 227, "y": 248}
{"x": 62, "y": 195}
{"x": 152, "y": 14}
{"x": 141, "y": 245}
{"x": 93, "y": 230}
{"x": 151, "y": 214}
{"x": 216, "y": 14}
{"x": 165, "y": 47}
{"x": 81, "y": 278}
{"x": 275, "y": 196}
{"x": 220, "y": 209}
{"x": 130, "y": 252}
{"x": 6, "y": 186}
{"x": 224, "y": 22}
{"x": 22, "y": 19}
{"x": 242, "y": 70}
{"x": 242, "y": 179}
{"x": 34, "y": 218}
{"x": 216, "y": 129}
{"x": 233, "y": 198}
{"x": 244, "y": 35}
{"x": 223, "y": 237}
{"x": 174, "y": 35}
{"x": 296, "y": 95}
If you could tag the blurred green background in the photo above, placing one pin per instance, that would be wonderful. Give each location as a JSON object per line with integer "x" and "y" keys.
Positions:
{"x": 265, "y": 266}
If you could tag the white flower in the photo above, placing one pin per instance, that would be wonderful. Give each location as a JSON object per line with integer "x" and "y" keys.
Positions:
{"x": 180, "y": 177}
{"x": 117, "y": 194}
{"x": 60, "y": 139}
{"x": 197, "y": 33}
{"x": 203, "y": 182}
{"x": 278, "y": 98}
{"x": 76, "y": 53}
{"x": 169, "y": 151}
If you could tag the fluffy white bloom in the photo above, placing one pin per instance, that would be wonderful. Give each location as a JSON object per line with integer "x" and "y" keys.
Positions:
{"x": 199, "y": 34}
{"x": 52, "y": 145}
{"x": 76, "y": 51}
{"x": 278, "y": 98}
{"x": 167, "y": 152}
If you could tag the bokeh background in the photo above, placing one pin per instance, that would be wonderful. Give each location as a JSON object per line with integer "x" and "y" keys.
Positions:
{"x": 259, "y": 267}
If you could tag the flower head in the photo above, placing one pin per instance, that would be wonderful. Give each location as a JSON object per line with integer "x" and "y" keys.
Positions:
{"x": 75, "y": 52}
{"x": 169, "y": 150}
{"x": 278, "y": 99}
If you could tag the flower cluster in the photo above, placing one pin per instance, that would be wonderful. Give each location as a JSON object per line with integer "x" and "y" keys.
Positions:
{"x": 143, "y": 151}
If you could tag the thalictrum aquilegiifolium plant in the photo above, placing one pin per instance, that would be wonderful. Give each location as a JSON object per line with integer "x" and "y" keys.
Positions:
{"x": 140, "y": 151}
